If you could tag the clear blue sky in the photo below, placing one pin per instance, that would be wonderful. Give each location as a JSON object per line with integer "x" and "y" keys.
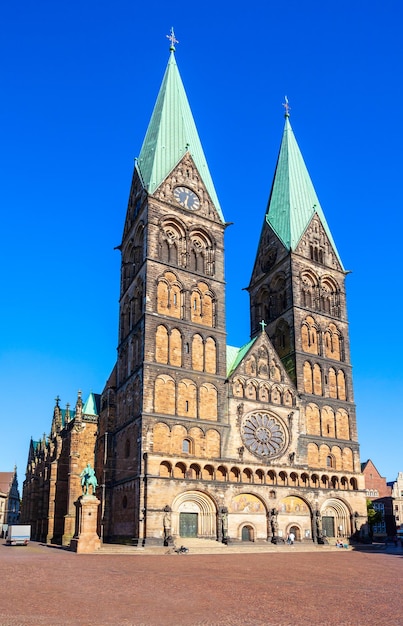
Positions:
{"x": 78, "y": 83}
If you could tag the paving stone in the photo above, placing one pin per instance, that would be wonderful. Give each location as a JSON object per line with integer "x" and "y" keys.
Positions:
{"x": 45, "y": 586}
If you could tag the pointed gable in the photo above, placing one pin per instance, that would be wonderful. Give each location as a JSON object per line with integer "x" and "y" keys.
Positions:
{"x": 170, "y": 134}
{"x": 293, "y": 201}
{"x": 259, "y": 359}
{"x": 90, "y": 406}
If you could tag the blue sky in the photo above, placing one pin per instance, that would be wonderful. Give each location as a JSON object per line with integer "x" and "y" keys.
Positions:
{"x": 79, "y": 81}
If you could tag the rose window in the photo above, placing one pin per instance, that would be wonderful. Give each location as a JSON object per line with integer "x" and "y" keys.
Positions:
{"x": 263, "y": 434}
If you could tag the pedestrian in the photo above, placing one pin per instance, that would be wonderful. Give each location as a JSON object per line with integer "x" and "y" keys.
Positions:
{"x": 291, "y": 538}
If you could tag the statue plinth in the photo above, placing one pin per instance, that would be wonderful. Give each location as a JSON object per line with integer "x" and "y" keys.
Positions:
{"x": 85, "y": 538}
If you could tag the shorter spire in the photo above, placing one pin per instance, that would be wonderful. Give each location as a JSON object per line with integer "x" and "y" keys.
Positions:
{"x": 172, "y": 39}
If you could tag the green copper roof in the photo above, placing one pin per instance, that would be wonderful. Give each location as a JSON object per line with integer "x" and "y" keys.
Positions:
{"x": 293, "y": 200}
{"x": 235, "y": 355}
{"x": 171, "y": 132}
{"x": 90, "y": 407}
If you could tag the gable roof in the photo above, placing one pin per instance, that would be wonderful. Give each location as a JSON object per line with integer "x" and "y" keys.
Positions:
{"x": 235, "y": 355}
{"x": 293, "y": 201}
{"x": 170, "y": 134}
{"x": 6, "y": 481}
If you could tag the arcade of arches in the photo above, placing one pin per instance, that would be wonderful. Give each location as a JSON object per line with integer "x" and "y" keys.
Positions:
{"x": 248, "y": 517}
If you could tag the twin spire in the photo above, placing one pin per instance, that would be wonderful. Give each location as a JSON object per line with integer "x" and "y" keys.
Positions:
{"x": 293, "y": 201}
{"x": 171, "y": 133}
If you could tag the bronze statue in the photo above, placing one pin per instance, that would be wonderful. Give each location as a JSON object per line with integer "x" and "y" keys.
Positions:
{"x": 88, "y": 478}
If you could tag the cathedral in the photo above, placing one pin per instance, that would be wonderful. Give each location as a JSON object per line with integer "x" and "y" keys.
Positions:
{"x": 196, "y": 438}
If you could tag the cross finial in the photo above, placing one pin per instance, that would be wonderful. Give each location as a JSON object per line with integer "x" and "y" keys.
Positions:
{"x": 172, "y": 39}
{"x": 57, "y": 400}
{"x": 286, "y": 107}
{"x": 263, "y": 325}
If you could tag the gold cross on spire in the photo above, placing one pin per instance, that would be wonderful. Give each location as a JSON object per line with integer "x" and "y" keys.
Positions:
{"x": 286, "y": 107}
{"x": 172, "y": 39}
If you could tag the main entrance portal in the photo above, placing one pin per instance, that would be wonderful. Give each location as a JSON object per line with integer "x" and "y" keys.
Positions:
{"x": 328, "y": 526}
{"x": 188, "y": 524}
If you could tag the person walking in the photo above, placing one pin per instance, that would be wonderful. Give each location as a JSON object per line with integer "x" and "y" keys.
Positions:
{"x": 291, "y": 538}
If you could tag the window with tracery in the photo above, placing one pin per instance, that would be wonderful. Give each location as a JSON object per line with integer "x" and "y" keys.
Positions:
{"x": 172, "y": 243}
{"x": 309, "y": 290}
{"x": 329, "y": 295}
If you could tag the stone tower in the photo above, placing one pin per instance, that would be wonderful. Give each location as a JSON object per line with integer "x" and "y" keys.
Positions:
{"x": 172, "y": 341}
{"x": 298, "y": 289}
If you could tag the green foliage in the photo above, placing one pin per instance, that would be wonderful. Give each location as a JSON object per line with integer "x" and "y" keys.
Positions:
{"x": 374, "y": 517}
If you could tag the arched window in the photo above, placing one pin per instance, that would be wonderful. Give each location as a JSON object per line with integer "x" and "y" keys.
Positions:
{"x": 309, "y": 290}
{"x": 186, "y": 446}
{"x": 172, "y": 242}
{"x": 202, "y": 255}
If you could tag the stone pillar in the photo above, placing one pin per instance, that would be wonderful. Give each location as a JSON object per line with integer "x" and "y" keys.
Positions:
{"x": 85, "y": 539}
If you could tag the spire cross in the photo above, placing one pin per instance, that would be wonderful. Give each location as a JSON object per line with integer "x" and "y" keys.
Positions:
{"x": 263, "y": 325}
{"x": 286, "y": 107}
{"x": 172, "y": 39}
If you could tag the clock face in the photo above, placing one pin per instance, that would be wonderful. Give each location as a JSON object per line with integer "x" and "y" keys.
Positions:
{"x": 186, "y": 198}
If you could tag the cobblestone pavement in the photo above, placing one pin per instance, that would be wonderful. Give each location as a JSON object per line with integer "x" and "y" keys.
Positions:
{"x": 45, "y": 586}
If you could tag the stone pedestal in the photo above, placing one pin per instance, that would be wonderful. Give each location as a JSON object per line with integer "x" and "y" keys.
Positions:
{"x": 85, "y": 539}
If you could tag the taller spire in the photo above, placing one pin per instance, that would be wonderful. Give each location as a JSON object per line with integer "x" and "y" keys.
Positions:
{"x": 293, "y": 200}
{"x": 171, "y": 133}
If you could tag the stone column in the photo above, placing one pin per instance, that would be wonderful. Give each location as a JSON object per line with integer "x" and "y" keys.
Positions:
{"x": 85, "y": 539}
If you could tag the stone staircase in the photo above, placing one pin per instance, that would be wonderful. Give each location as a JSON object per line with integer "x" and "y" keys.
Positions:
{"x": 207, "y": 546}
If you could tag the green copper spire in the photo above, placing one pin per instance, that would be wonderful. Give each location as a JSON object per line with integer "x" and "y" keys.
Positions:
{"x": 90, "y": 407}
{"x": 170, "y": 134}
{"x": 293, "y": 200}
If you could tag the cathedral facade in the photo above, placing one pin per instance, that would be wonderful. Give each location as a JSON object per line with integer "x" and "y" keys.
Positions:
{"x": 200, "y": 439}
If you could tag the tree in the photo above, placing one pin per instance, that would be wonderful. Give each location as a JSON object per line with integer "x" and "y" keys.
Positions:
{"x": 374, "y": 517}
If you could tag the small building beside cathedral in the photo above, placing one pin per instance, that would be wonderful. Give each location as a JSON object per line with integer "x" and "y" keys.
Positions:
{"x": 52, "y": 482}
{"x": 196, "y": 438}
